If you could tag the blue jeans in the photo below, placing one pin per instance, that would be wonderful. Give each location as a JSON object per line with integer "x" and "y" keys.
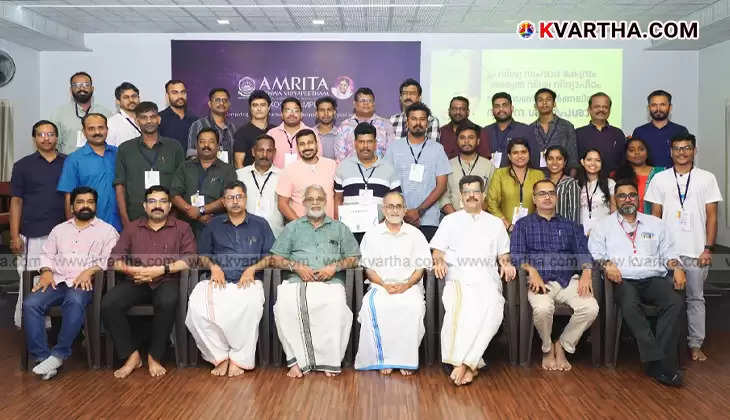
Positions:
{"x": 73, "y": 307}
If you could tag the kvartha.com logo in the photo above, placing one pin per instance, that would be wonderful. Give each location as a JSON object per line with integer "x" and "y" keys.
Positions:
{"x": 609, "y": 29}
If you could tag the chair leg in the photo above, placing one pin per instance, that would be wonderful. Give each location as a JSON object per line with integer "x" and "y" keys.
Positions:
{"x": 617, "y": 338}
{"x": 109, "y": 346}
{"x": 88, "y": 333}
{"x": 610, "y": 342}
{"x": 277, "y": 353}
{"x": 24, "y": 358}
{"x": 526, "y": 334}
{"x": 596, "y": 342}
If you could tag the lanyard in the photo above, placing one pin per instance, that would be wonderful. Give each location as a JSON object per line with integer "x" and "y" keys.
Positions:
{"x": 522, "y": 184}
{"x": 76, "y": 110}
{"x": 473, "y": 165}
{"x": 133, "y": 125}
{"x": 289, "y": 140}
{"x": 541, "y": 136}
{"x": 682, "y": 198}
{"x": 590, "y": 199}
{"x": 362, "y": 174}
{"x": 261, "y": 188}
{"x": 144, "y": 156}
{"x": 415, "y": 158}
{"x": 630, "y": 235}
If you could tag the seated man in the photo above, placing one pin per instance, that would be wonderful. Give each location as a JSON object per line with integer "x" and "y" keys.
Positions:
{"x": 150, "y": 251}
{"x": 225, "y": 311}
{"x": 466, "y": 248}
{"x": 394, "y": 255}
{"x": 540, "y": 242}
{"x": 631, "y": 235}
{"x": 311, "y": 314}
{"x": 70, "y": 279}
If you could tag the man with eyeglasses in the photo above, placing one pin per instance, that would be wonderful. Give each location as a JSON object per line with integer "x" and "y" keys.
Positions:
{"x": 459, "y": 116}
{"x": 259, "y": 104}
{"x": 225, "y": 310}
{"x": 471, "y": 254}
{"x": 150, "y": 253}
{"x": 410, "y": 93}
{"x": 219, "y": 102}
{"x": 552, "y": 249}
{"x": 364, "y": 105}
{"x": 68, "y": 116}
{"x": 327, "y": 131}
{"x": 176, "y": 119}
{"x": 285, "y": 134}
{"x": 686, "y": 198}
{"x": 658, "y": 132}
{"x": 504, "y": 129}
{"x": 123, "y": 125}
{"x": 617, "y": 242}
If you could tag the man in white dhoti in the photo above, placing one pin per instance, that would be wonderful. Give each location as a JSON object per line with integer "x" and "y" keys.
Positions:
{"x": 394, "y": 255}
{"x": 224, "y": 312}
{"x": 311, "y": 313}
{"x": 466, "y": 248}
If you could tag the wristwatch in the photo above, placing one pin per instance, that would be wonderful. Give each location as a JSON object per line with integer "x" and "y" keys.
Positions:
{"x": 291, "y": 266}
{"x": 201, "y": 210}
{"x": 710, "y": 248}
{"x": 167, "y": 269}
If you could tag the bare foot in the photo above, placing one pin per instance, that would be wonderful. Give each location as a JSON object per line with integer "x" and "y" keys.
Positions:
{"x": 294, "y": 372}
{"x": 133, "y": 362}
{"x": 406, "y": 372}
{"x": 155, "y": 368}
{"x": 697, "y": 354}
{"x": 468, "y": 376}
{"x": 331, "y": 374}
{"x": 548, "y": 360}
{"x": 386, "y": 371}
{"x": 561, "y": 362}
{"x": 458, "y": 374}
{"x": 234, "y": 370}
{"x": 220, "y": 369}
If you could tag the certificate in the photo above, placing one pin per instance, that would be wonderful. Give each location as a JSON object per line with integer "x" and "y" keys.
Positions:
{"x": 359, "y": 217}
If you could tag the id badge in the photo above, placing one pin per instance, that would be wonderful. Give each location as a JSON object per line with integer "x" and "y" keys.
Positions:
{"x": 685, "y": 220}
{"x": 496, "y": 159}
{"x": 151, "y": 178}
{"x": 543, "y": 162}
{"x": 416, "y": 172}
{"x": 289, "y": 158}
{"x": 518, "y": 213}
{"x": 223, "y": 155}
{"x": 365, "y": 196}
{"x": 80, "y": 139}
{"x": 197, "y": 200}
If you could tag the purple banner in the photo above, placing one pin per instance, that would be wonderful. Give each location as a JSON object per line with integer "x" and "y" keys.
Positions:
{"x": 307, "y": 70}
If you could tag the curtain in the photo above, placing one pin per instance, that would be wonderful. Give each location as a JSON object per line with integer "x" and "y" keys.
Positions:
{"x": 6, "y": 140}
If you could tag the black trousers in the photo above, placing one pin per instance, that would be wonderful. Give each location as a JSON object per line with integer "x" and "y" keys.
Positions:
{"x": 657, "y": 291}
{"x": 124, "y": 295}
{"x": 428, "y": 231}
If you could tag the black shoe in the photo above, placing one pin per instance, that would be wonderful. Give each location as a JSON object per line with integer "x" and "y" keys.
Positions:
{"x": 669, "y": 378}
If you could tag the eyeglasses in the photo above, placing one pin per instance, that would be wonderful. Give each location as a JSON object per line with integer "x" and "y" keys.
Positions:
{"x": 625, "y": 196}
{"x": 80, "y": 85}
{"x": 154, "y": 201}
{"x": 234, "y": 197}
{"x": 290, "y": 111}
{"x": 465, "y": 192}
{"x": 46, "y": 135}
{"x": 365, "y": 101}
{"x": 687, "y": 148}
{"x": 394, "y": 207}
{"x": 544, "y": 194}
{"x": 315, "y": 200}
{"x": 220, "y": 100}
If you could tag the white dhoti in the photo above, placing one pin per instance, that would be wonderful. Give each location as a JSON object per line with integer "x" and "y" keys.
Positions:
{"x": 29, "y": 260}
{"x": 474, "y": 308}
{"x": 225, "y": 322}
{"x": 313, "y": 322}
{"x": 391, "y": 329}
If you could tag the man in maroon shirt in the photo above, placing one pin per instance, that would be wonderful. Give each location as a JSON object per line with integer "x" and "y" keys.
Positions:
{"x": 459, "y": 115}
{"x": 150, "y": 251}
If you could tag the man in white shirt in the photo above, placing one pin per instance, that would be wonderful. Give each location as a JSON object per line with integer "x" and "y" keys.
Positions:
{"x": 123, "y": 125}
{"x": 686, "y": 198}
{"x": 261, "y": 179}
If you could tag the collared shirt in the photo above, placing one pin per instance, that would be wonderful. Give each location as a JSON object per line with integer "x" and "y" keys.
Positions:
{"x": 328, "y": 141}
{"x": 503, "y": 195}
{"x": 288, "y": 144}
{"x": 134, "y": 158}
{"x": 174, "y": 127}
{"x": 557, "y": 248}
{"x": 568, "y": 196}
{"x": 345, "y": 144}
{"x": 448, "y": 140}
{"x": 122, "y": 127}
{"x": 261, "y": 195}
{"x": 398, "y": 121}
{"x": 380, "y": 177}
{"x": 641, "y": 258}
{"x": 225, "y": 136}
{"x": 317, "y": 247}
{"x": 85, "y": 167}
{"x": 140, "y": 246}
{"x": 190, "y": 178}
{"x": 394, "y": 256}
{"x": 245, "y": 139}
{"x": 658, "y": 141}
{"x": 34, "y": 180}
{"x": 560, "y": 132}
{"x": 599, "y": 207}
{"x": 435, "y": 163}
{"x": 235, "y": 248}
{"x": 70, "y": 250}
{"x": 500, "y": 138}
{"x": 295, "y": 178}
{"x": 610, "y": 141}
{"x": 68, "y": 119}
{"x": 481, "y": 167}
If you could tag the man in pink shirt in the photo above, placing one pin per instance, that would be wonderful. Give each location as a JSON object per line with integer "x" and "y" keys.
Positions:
{"x": 310, "y": 169}
{"x": 284, "y": 134}
{"x": 75, "y": 250}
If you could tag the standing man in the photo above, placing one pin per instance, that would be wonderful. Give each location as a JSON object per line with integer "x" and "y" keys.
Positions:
{"x": 175, "y": 120}
{"x": 364, "y": 103}
{"x": 259, "y": 103}
{"x": 143, "y": 162}
{"x": 219, "y": 102}
{"x": 423, "y": 169}
{"x": 197, "y": 186}
{"x": 261, "y": 180}
{"x": 310, "y": 169}
{"x": 550, "y": 129}
{"x": 68, "y": 116}
{"x": 686, "y": 198}
{"x": 601, "y": 135}
{"x": 468, "y": 162}
{"x": 285, "y": 134}
{"x": 326, "y": 130}
{"x": 225, "y": 310}
{"x": 123, "y": 125}
{"x": 504, "y": 129}
{"x": 151, "y": 251}
{"x": 459, "y": 115}
{"x": 658, "y": 132}
{"x": 93, "y": 166}
{"x": 410, "y": 93}
{"x": 35, "y": 206}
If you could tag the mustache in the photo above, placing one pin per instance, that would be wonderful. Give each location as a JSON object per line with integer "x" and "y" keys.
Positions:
{"x": 158, "y": 209}
{"x": 206, "y": 148}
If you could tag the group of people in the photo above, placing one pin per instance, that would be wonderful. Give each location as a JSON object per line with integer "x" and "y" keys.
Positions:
{"x": 151, "y": 193}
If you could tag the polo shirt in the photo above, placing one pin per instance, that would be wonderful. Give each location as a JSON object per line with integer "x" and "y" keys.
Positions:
{"x": 503, "y": 194}
{"x": 225, "y": 136}
{"x": 174, "y": 127}
{"x": 245, "y": 138}
{"x": 658, "y": 141}
{"x": 401, "y": 154}
{"x": 261, "y": 195}
{"x": 134, "y": 158}
{"x": 316, "y": 247}
{"x": 295, "y": 178}
{"x": 191, "y": 178}
{"x": 394, "y": 256}
{"x": 352, "y": 176}
{"x": 122, "y": 127}
{"x": 345, "y": 144}
{"x": 451, "y": 148}
{"x": 68, "y": 119}
{"x": 610, "y": 141}
{"x": 481, "y": 167}
{"x": 235, "y": 248}
{"x": 34, "y": 180}
{"x": 287, "y": 144}
{"x": 328, "y": 141}
{"x": 86, "y": 168}
{"x": 560, "y": 132}
{"x": 499, "y": 139}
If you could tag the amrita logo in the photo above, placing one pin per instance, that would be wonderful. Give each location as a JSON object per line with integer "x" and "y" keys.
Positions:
{"x": 525, "y": 29}
{"x": 246, "y": 85}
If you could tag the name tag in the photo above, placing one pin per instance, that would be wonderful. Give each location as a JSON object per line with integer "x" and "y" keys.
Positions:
{"x": 543, "y": 163}
{"x": 223, "y": 155}
{"x": 359, "y": 217}
{"x": 151, "y": 178}
{"x": 365, "y": 196}
{"x": 289, "y": 158}
{"x": 416, "y": 172}
{"x": 518, "y": 213}
{"x": 685, "y": 220}
{"x": 496, "y": 159}
{"x": 80, "y": 139}
{"x": 197, "y": 200}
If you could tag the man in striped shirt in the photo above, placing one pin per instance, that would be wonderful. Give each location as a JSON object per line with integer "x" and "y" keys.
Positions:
{"x": 410, "y": 93}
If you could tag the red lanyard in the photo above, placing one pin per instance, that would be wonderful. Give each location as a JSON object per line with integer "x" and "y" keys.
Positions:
{"x": 630, "y": 235}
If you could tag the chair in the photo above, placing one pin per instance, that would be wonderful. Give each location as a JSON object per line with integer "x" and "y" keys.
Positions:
{"x": 277, "y": 352}
{"x": 263, "y": 346}
{"x": 92, "y": 325}
{"x": 614, "y": 321}
{"x": 181, "y": 340}
{"x": 527, "y": 329}
{"x": 5, "y": 195}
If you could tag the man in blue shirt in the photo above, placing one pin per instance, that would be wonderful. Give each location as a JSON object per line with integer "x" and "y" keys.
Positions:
{"x": 93, "y": 166}
{"x": 505, "y": 129}
{"x": 659, "y": 131}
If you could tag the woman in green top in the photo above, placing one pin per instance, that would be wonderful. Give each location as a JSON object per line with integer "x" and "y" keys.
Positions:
{"x": 510, "y": 190}
{"x": 638, "y": 167}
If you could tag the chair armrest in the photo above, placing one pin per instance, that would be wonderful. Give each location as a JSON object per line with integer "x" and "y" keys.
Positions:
{"x": 359, "y": 286}
{"x": 597, "y": 283}
{"x": 184, "y": 286}
{"x": 98, "y": 288}
{"x": 522, "y": 278}
{"x": 28, "y": 277}
{"x": 511, "y": 292}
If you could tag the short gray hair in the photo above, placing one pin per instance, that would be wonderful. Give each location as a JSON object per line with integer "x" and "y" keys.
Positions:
{"x": 315, "y": 187}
